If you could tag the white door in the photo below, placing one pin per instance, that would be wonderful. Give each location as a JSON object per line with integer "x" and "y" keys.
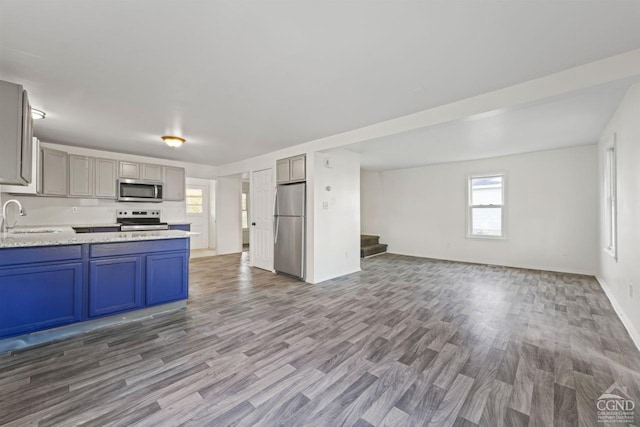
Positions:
{"x": 261, "y": 246}
{"x": 197, "y": 202}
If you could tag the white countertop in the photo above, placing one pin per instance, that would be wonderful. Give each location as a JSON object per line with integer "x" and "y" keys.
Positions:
{"x": 117, "y": 224}
{"x": 95, "y": 225}
{"x": 68, "y": 237}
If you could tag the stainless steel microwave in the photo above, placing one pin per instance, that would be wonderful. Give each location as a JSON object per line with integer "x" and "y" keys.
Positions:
{"x": 135, "y": 190}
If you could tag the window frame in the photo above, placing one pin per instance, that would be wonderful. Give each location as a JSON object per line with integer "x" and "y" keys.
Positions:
{"x": 246, "y": 209}
{"x": 471, "y": 207}
{"x": 610, "y": 196}
{"x": 201, "y": 204}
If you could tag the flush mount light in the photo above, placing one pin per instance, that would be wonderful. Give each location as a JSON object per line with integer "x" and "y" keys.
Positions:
{"x": 37, "y": 114}
{"x": 173, "y": 141}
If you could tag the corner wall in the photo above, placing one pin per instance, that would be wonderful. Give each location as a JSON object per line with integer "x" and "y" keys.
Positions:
{"x": 551, "y": 220}
{"x": 616, "y": 276}
{"x": 372, "y": 219}
{"x": 336, "y": 220}
{"x": 228, "y": 214}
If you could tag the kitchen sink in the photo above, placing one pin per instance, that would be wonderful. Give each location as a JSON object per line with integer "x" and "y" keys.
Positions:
{"x": 35, "y": 230}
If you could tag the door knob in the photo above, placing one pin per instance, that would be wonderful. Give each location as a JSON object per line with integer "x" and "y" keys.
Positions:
{"x": 253, "y": 224}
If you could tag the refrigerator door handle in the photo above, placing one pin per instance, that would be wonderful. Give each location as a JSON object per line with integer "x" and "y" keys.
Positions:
{"x": 275, "y": 216}
{"x": 275, "y": 202}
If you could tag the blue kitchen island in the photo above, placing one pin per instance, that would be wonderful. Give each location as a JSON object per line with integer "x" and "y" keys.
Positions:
{"x": 77, "y": 282}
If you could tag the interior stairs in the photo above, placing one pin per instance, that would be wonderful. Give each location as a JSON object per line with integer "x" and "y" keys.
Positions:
{"x": 370, "y": 245}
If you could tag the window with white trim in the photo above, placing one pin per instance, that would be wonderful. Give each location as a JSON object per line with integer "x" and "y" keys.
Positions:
{"x": 245, "y": 212}
{"x": 485, "y": 216}
{"x": 610, "y": 200}
{"x": 194, "y": 201}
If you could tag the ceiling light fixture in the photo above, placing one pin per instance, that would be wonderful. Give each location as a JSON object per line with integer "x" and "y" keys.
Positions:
{"x": 37, "y": 114}
{"x": 173, "y": 141}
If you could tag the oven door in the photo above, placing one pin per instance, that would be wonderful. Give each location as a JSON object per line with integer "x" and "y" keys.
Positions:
{"x": 130, "y": 190}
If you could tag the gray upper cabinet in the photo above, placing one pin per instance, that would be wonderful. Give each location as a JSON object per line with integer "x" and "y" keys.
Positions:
{"x": 80, "y": 176}
{"x": 282, "y": 171}
{"x": 292, "y": 169}
{"x": 174, "y": 184}
{"x": 298, "y": 168}
{"x": 151, "y": 172}
{"x": 16, "y": 132}
{"x": 35, "y": 186}
{"x": 105, "y": 178}
{"x": 54, "y": 172}
{"x": 130, "y": 170}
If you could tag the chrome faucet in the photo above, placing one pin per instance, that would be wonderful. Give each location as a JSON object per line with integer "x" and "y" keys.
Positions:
{"x": 5, "y": 225}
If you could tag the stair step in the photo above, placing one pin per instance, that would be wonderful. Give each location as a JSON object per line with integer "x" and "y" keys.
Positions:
{"x": 367, "y": 240}
{"x": 369, "y": 250}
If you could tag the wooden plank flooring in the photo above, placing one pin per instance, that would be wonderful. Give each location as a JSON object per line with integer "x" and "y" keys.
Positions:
{"x": 408, "y": 341}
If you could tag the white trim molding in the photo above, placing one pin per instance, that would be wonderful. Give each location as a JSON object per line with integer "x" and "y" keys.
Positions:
{"x": 633, "y": 332}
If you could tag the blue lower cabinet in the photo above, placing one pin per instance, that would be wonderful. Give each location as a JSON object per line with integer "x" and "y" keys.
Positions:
{"x": 46, "y": 287}
{"x": 40, "y": 297}
{"x": 115, "y": 284}
{"x": 167, "y": 277}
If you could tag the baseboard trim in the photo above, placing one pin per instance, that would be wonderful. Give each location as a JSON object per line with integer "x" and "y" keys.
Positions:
{"x": 20, "y": 342}
{"x": 524, "y": 267}
{"x": 633, "y": 332}
{"x": 335, "y": 277}
{"x": 371, "y": 256}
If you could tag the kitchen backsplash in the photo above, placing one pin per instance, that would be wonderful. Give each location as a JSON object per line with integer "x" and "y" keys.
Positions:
{"x": 59, "y": 211}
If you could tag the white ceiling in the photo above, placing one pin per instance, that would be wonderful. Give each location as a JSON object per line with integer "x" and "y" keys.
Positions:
{"x": 241, "y": 78}
{"x": 570, "y": 120}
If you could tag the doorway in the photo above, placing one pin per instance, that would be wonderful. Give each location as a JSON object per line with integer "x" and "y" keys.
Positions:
{"x": 245, "y": 209}
{"x": 197, "y": 206}
{"x": 261, "y": 219}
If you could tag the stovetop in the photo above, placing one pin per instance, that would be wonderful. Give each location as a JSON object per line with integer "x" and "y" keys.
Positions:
{"x": 140, "y": 220}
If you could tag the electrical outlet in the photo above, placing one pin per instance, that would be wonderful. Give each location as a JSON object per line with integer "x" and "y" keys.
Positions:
{"x": 630, "y": 290}
{"x": 74, "y": 210}
{"x": 325, "y": 205}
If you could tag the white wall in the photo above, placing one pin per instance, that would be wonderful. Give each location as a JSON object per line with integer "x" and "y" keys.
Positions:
{"x": 336, "y": 215}
{"x": 616, "y": 276}
{"x": 371, "y": 203}
{"x": 58, "y": 210}
{"x": 228, "y": 208}
{"x": 552, "y": 211}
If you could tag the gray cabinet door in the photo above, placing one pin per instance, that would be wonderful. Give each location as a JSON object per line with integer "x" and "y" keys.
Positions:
{"x": 80, "y": 176}
{"x": 174, "y": 184}
{"x": 15, "y": 135}
{"x": 54, "y": 172}
{"x": 27, "y": 140}
{"x": 282, "y": 171}
{"x": 105, "y": 178}
{"x": 151, "y": 172}
{"x": 297, "y": 168}
{"x": 129, "y": 170}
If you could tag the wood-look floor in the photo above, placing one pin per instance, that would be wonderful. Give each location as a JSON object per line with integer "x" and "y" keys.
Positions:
{"x": 408, "y": 341}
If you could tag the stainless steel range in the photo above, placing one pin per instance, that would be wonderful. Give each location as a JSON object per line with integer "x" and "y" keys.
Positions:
{"x": 140, "y": 220}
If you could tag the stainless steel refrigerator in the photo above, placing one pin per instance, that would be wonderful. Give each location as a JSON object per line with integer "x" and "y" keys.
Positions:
{"x": 289, "y": 229}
